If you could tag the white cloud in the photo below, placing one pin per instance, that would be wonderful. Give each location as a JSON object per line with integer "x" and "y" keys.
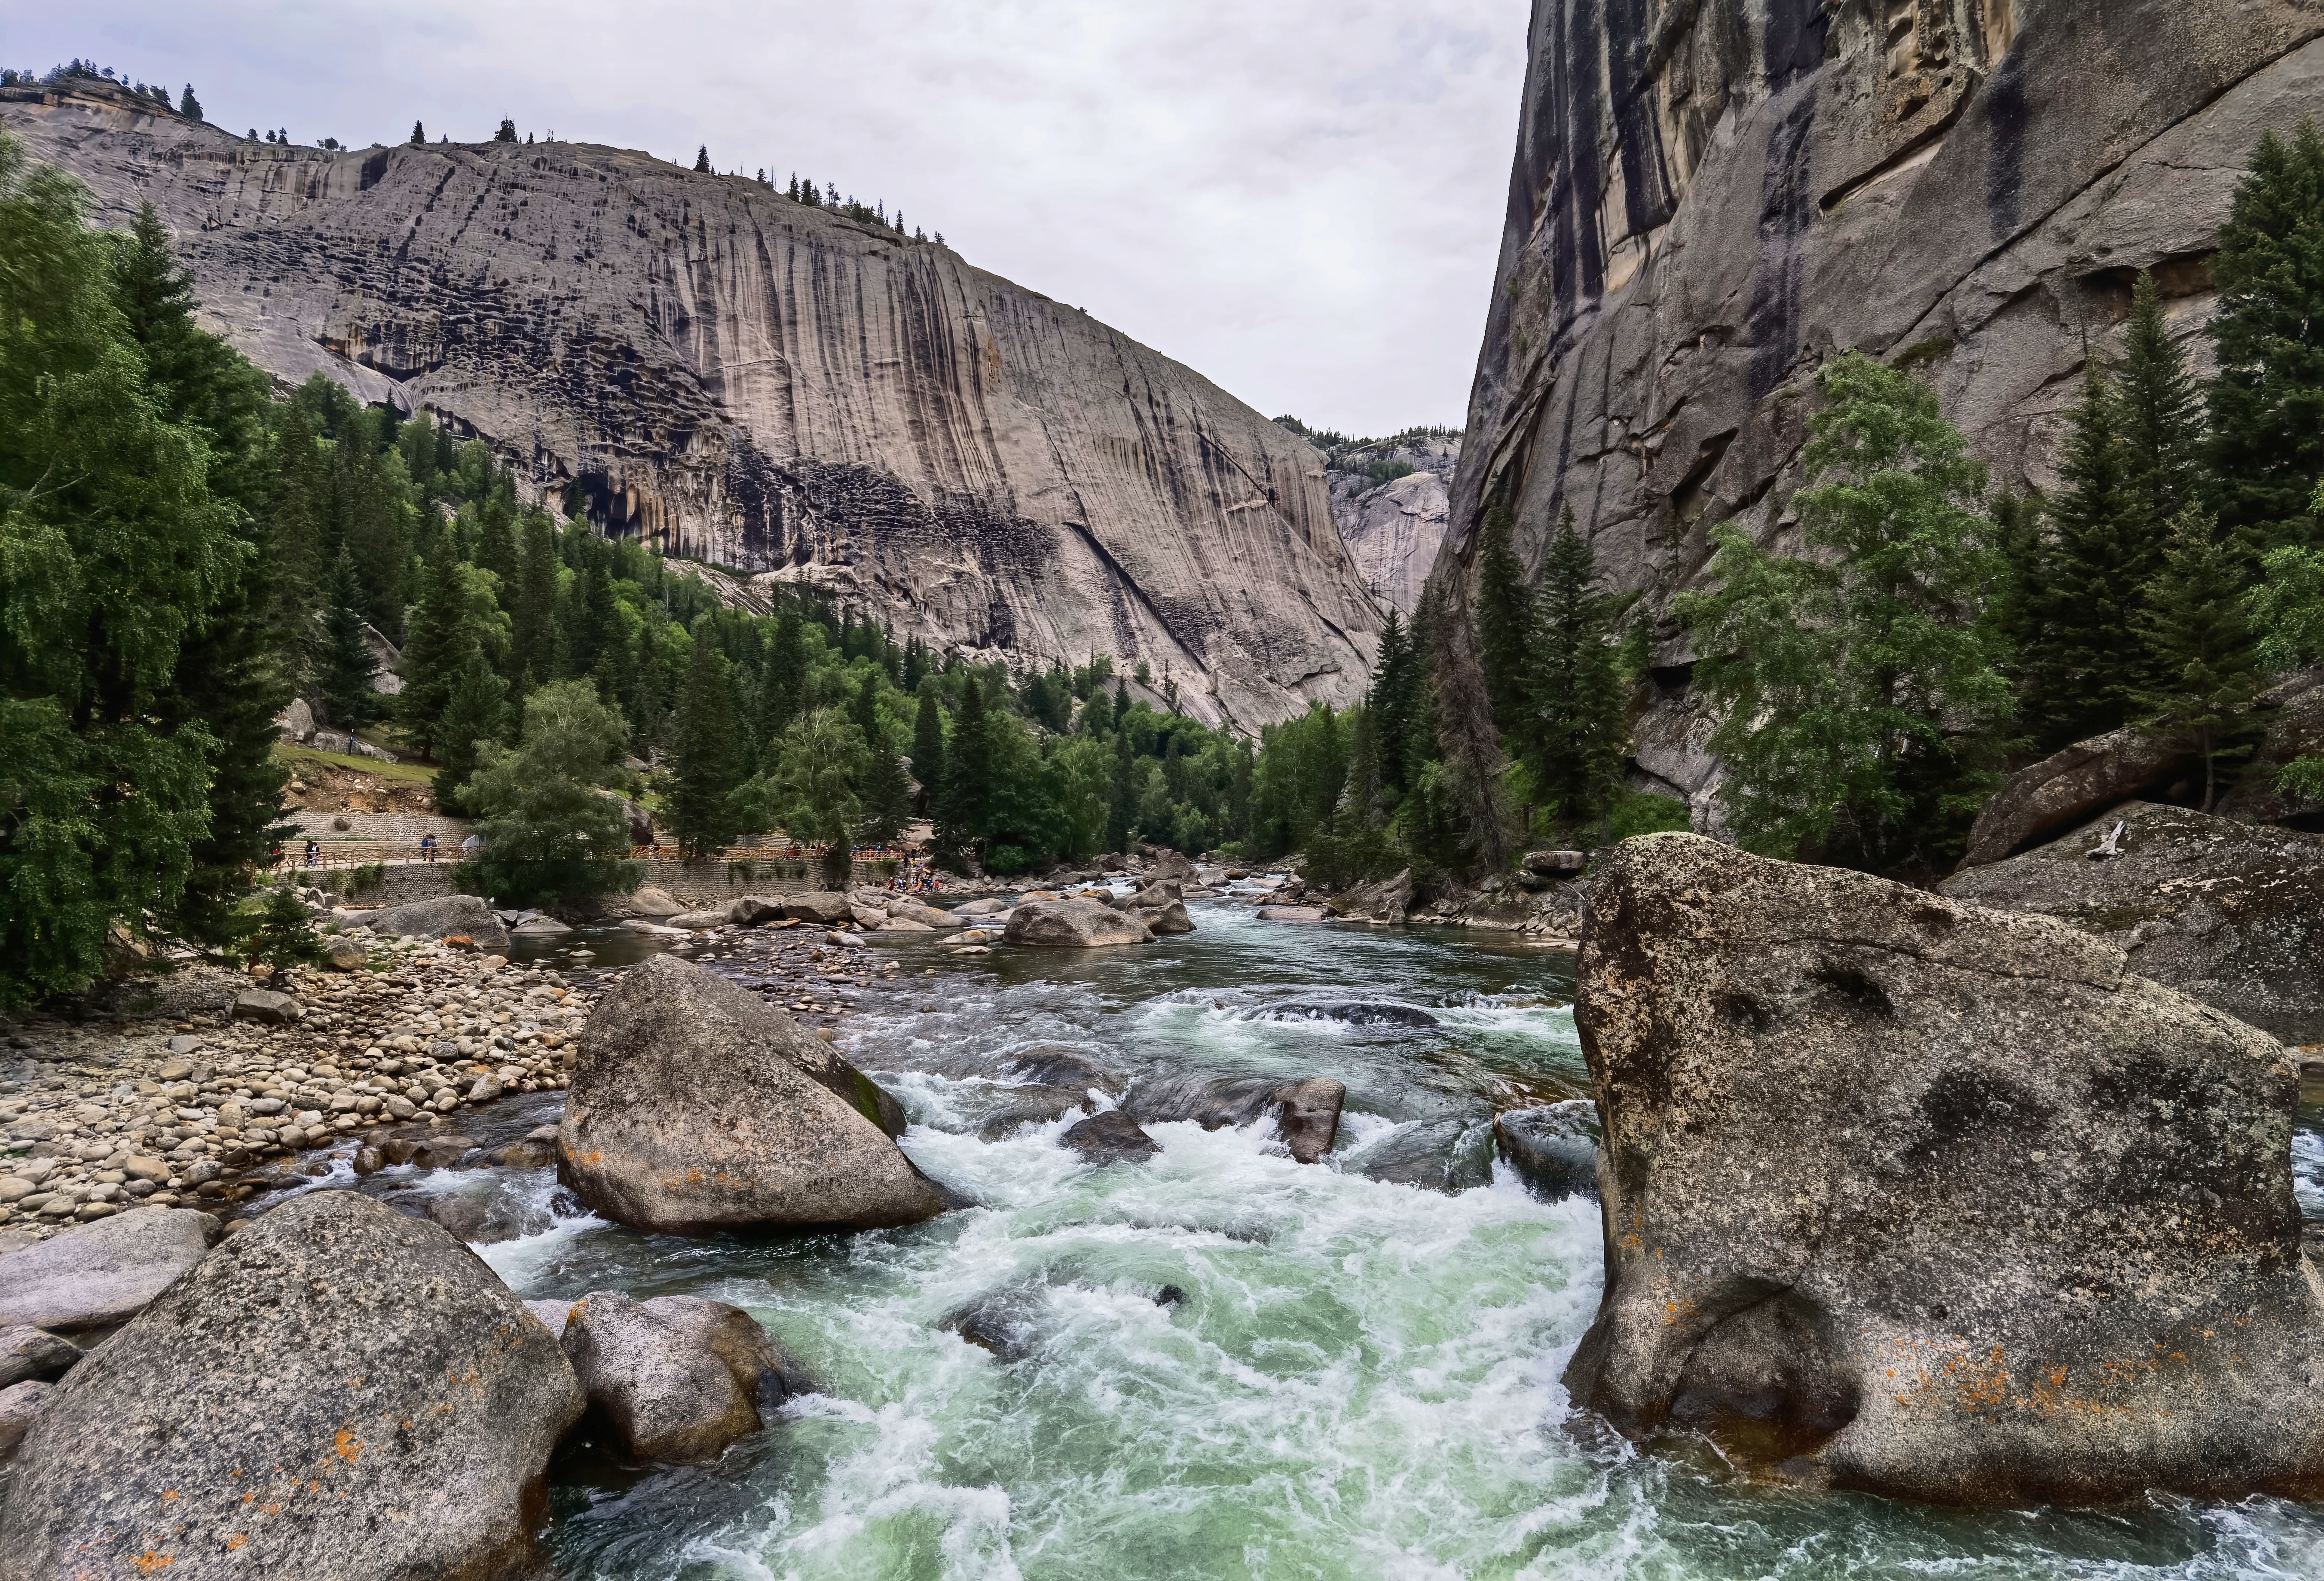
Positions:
{"x": 1300, "y": 200}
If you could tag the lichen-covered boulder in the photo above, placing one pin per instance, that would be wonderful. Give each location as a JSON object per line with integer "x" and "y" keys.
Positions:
{"x": 1933, "y": 1202}
{"x": 696, "y": 1107}
{"x": 336, "y": 1390}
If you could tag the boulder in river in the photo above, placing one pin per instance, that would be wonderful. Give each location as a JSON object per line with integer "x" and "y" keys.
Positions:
{"x": 1293, "y": 913}
{"x": 1933, "y": 1202}
{"x": 680, "y": 1377}
{"x": 700, "y": 922}
{"x": 1448, "y": 1155}
{"x": 694, "y": 1106}
{"x": 1384, "y": 900}
{"x": 1033, "y": 1106}
{"x": 751, "y": 910}
{"x": 1553, "y": 1149}
{"x": 103, "y": 1272}
{"x": 821, "y": 906}
{"x": 444, "y": 916}
{"x": 2232, "y": 914}
{"x": 1306, "y": 1113}
{"x": 652, "y": 902}
{"x": 337, "y": 1391}
{"x": 1073, "y": 924}
{"x": 1056, "y": 1065}
{"x": 1108, "y": 1137}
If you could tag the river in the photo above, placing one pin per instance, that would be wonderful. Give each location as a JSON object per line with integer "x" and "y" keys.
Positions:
{"x": 1221, "y": 1363}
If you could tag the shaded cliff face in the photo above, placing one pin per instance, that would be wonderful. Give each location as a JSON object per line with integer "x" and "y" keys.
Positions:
{"x": 772, "y": 388}
{"x": 1711, "y": 197}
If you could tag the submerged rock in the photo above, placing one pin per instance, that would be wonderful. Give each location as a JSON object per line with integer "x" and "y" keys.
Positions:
{"x": 1110, "y": 1136}
{"x": 1306, "y": 1113}
{"x": 2232, "y": 914}
{"x": 1056, "y": 1065}
{"x": 336, "y": 1390}
{"x": 103, "y": 1272}
{"x": 680, "y": 1377}
{"x": 1934, "y": 1202}
{"x": 694, "y": 1106}
{"x": 1354, "y": 1011}
{"x": 1553, "y": 1149}
{"x": 1033, "y": 1106}
{"x": 1073, "y": 924}
{"x": 1436, "y": 1155}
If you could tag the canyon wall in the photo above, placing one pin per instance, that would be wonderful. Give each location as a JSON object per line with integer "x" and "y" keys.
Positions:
{"x": 1394, "y": 529}
{"x": 1713, "y": 196}
{"x": 770, "y": 387}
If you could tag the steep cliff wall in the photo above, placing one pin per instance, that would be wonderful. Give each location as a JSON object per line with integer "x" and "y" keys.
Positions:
{"x": 1393, "y": 529}
{"x": 1711, "y": 197}
{"x": 771, "y": 387}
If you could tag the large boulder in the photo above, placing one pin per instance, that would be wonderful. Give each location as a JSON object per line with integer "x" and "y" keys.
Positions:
{"x": 680, "y": 1377}
{"x": 1384, "y": 900}
{"x": 696, "y": 1107}
{"x": 2231, "y": 913}
{"x": 823, "y": 907}
{"x": 1108, "y": 1137}
{"x": 1306, "y": 1113}
{"x": 652, "y": 902}
{"x": 19, "y": 1405}
{"x": 1451, "y": 1154}
{"x": 337, "y": 1391}
{"x": 105, "y": 1272}
{"x": 1553, "y": 1149}
{"x": 2069, "y": 788}
{"x": 1933, "y": 1202}
{"x": 2295, "y": 710}
{"x": 445, "y": 916}
{"x": 1073, "y": 924}
{"x": 28, "y": 1353}
{"x": 903, "y": 909}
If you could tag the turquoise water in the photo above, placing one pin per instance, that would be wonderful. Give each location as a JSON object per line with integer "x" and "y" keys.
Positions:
{"x": 1222, "y": 1363}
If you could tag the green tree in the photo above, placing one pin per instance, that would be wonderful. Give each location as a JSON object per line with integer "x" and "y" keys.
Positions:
{"x": 2267, "y": 402}
{"x": 534, "y": 639}
{"x": 283, "y": 934}
{"x": 2162, "y": 419}
{"x": 507, "y": 132}
{"x": 1576, "y": 714}
{"x": 708, "y": 766}
{"x": 1121, "y": 802}
{"x": 968, "y": 777}
{"x": 809, "y": 790}
{"x": 346, "y": 664}
{"x": 549, "y": 834}
{"x": 782, "y": 689}
{"x": 928, "y": 749}
{"x": 1503, "y": 619}
{"x": 1857, "y": 689}
{"x": 1390, "y": 701}
{"x": 189, "y": 105}
{"x": 471, "y": 717}
{"x": 2202, "y": 649}
{"x": 419, "y": 136}
{"x": 456, "y": 615}
{"x": 886, "y": 796}
{"x": 702, "y": 159}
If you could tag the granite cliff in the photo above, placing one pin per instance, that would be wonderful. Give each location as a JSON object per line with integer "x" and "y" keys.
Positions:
{"x": 768, "y": 386}
{"x": 1394, "y": 525}
{"x": 1712, "y": 197}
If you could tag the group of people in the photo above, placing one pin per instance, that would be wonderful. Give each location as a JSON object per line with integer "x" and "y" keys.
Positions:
{"x": 917, "y": 877}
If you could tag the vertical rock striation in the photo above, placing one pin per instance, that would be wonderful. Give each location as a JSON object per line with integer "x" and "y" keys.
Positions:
{"x": 1712, "y": 197}
{"x": 770, "y": 387}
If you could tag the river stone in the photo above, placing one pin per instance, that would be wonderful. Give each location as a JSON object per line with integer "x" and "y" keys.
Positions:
{"x": 1385, "y": 900}
{"x": 902, "y": 909}
{"x": 1553, "y": 1149}
{"x": 1056, "y": 1065}
{"x": 652, "y": 902}
{"x": 20, "y": 1404}
{"x": 989, "y": 905}
{"x": 1436, "y": 1155}
{"x": 1292, "y": 913}
{"x": 1073, "y": 924}
{"x": 264, "y": 1005}
{"x": 694, "y": 1106}
{"x": 678, "y": 1376}
{"x": 27, "y": 1353}
{"x": 540, "y": 925}
{"x": 1307, "y": 1115}
{"x": 1933, "y": 1202}
{"x": 700, "y": 920}
{"x": 2232, "y": 914}
{"x": 102, "y": 1272}
{"x": 337, "y": 1391}
{"x": 1108, "y": 1137}
{"x": 751, "y": 910}
{"x": 1033, "y": 1106}
{"x": 822, "y": 906}
{"x": 444, "y": 916}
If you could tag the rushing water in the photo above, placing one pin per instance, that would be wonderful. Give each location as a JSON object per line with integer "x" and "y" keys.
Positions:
{"x": 1221, "y": 1363}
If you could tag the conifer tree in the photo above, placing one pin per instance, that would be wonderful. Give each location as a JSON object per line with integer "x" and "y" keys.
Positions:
{"x": 928, "y": 749}
{"x": 507, "y": 132}
{"x": 443, "y": 631}
{"x": 1121, "y": 807}
{"x": 533, "y": 647}
{"x": 1575, "y": 713}
{"x": 472, "y": 716}
{"x": 968, "y": 775}
{"x": 782, "y": 687}
{"x": 2266, "y": 405}
{"x": 702, "y": 159}
{"x": 2078, "y": 673}
{"x": 887, "y": 794}
{"x": 1361, "y": 806}
{"x": 189, "y": 105}
{"x": 1504, "y": 618}
{"x": 346, "y": 664}
{"x": 419, "y": 136}
{"x": 1120, "y": 702}
{"x": 705, "y": 773}
{"x": 2161, "y": 421}
{"x": 2201, "y": 648}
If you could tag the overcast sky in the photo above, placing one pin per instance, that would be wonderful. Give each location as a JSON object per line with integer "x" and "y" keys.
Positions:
{"x": 1302, "y": 200}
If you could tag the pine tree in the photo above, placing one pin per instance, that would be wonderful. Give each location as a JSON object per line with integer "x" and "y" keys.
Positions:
{"x": 2201, "y": 648}
{"x": 1503, "y": 619}
{"x": 2078, "y": 674}
{"x": 532, "y": 649}
{"x": 1360, "y": 806}
{"x": 189, "y": 105}
{"x": 782, "y": 685}
{"x": 1395, "y": 677}
{"x": 968, "y": 776}
{"x": 346, "y": 664}
{"x": 1575, "y": 716}
{"x": 470, "y": 716}
{"x": 887, "y": 794}
{"x": 1121, "y": 807}
{"x": 2267, "y": 403}
{"x": 507, "y": 132}
{"x": 705, "y": 770}
{"x": 1857, "y": 690}
{"x": 419, "y": 136}
{"x": 702, "y": 159}
{"x": 440, "y": 637}
{"x": 1120, "y": 703}
{"x": 794, "y": 191}
{"x": 928, "y": 749}
{"x": 2162, "y": 419}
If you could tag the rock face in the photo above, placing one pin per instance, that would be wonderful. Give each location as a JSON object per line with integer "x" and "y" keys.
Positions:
{"x": 2068, "y": 787}
{"x": 337, "y": 1391}
{"x": 1075, "y": 924}
{"x": 1709, "y": 198}
{"x": 694, "y": 1106}
{"x": 1933, "y": 1202}
{"x": 2231, "y": 914}
{"x": 445, "y": 916}
{"x": 1394, "y": 524}
{"x": 102, "y": 1272}
{"x": 772, "y": 387}
{"x": 681, "y": 1377}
